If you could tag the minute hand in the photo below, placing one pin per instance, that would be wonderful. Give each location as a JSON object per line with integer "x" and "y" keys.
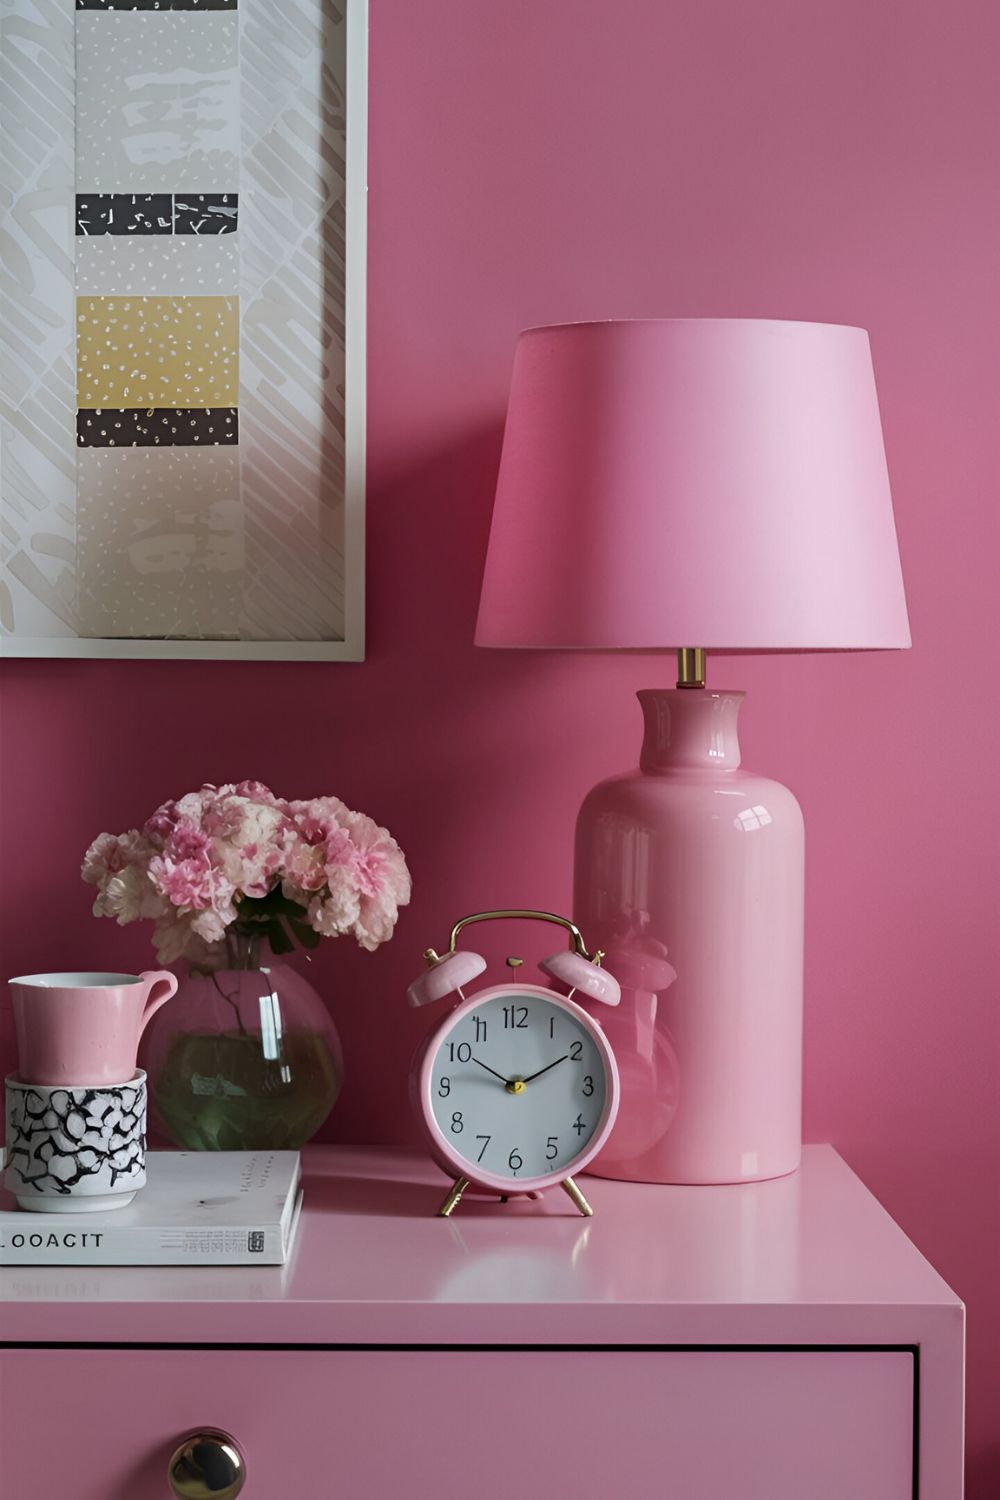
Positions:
{"x": 531, "y": 1077}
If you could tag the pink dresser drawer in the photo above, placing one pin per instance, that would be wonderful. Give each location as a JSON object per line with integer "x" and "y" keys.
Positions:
{"x": 549, "y": 1422}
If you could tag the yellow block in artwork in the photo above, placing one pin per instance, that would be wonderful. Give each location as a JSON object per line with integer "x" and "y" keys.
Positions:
{"x": 157, "y": 351}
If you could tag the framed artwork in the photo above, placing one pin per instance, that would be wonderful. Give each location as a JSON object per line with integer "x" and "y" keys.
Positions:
{"x": 182, "y": 329}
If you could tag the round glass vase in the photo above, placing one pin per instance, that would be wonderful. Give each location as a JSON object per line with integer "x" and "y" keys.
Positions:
{"x": 245, "y": 1057}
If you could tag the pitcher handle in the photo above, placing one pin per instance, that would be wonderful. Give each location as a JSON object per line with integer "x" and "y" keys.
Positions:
{"x": 161, "y": 985}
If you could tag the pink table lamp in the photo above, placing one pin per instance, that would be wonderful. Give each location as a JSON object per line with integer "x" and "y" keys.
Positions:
{"x": 720, "y": 482}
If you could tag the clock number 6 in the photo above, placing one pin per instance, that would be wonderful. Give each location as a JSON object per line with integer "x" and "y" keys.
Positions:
{"x": 514, "y": 1160}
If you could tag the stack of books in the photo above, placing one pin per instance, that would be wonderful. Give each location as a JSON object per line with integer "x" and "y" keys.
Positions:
{"x": 198, "y": 1208}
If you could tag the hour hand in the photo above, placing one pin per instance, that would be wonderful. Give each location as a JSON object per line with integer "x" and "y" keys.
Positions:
{"x": 479, "y": 1064}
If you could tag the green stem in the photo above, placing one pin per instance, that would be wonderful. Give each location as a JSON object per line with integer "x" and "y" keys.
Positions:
{"x": 230, "y": 1001}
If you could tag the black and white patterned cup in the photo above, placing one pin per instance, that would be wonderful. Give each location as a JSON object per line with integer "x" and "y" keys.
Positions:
{"x": 75, "y": 1149}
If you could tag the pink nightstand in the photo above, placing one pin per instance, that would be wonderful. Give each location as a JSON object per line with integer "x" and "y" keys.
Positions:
{"x": 774, "y": 1341}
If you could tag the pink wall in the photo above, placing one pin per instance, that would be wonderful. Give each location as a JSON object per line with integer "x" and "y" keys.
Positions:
{"x": 535, "y": 161}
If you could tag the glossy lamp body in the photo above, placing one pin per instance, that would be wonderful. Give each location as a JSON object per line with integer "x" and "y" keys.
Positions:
{"x": 689, "y": 873}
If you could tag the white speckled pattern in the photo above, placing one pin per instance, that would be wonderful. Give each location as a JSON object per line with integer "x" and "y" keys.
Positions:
{"x": 157, "y": 101}
{"x": 160, "y": 541}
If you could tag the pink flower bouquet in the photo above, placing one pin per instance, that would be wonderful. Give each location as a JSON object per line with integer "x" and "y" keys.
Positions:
{"x": 240, "y": 857}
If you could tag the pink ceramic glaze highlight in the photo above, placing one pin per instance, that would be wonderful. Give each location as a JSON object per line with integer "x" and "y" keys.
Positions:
{"x": 715, "y": 482}
{"x": 694, "y": 857}
{"x": 445, "y": 977}
{"x": 81, "y": 1028}
{"x": 579, "y": 974}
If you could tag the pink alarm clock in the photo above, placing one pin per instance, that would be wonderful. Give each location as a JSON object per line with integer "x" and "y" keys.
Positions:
{"x": 517, "y": 1089}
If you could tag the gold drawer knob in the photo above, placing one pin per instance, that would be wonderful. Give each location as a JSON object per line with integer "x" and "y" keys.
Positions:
{"x": 207, "y": 1465}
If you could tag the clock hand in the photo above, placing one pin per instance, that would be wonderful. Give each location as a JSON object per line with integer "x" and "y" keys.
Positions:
{"x": 532, "y": 1076}
{"x": 502, "y": 1079}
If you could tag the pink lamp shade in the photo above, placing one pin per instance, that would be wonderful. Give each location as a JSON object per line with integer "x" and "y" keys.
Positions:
{"x": 713, "y": 482}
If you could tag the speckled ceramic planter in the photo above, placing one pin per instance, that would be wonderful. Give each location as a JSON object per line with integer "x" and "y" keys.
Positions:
{"x": 76, "y": 1149}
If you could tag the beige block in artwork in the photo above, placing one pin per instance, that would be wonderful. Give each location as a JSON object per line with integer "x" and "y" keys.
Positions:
{"x": 157, "y": 351}
{"x": 160, "y": 549}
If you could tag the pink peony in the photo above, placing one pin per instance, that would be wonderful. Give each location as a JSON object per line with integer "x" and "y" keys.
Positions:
{"x": 316, "y": 818}
{"x": 185, "y": 883}
{"x": 383, "y": 881}
{"x": 337, "y": 912}
{"x": 113, "y": 852}
{"x": 305, "y": 870}
{"x": 118, "y": 865}
{"x": 186, "y": 840}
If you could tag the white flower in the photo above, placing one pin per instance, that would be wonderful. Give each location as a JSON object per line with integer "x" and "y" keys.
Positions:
{"x": 128, "y": 896}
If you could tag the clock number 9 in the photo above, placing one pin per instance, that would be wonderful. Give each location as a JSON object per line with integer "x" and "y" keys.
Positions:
{"x": 444, "y": 1087}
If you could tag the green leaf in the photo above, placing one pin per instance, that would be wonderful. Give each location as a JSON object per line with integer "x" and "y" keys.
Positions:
{"x": 262, "y": 908}
{"x": 307, "y": 936}
{"x": 279, "y": 937}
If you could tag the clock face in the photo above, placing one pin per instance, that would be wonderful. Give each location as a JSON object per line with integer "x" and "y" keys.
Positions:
{"x": 518, "y": 1085}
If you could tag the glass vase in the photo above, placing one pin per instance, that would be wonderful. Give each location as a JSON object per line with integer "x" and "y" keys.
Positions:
{"x": 248, "y": 1057}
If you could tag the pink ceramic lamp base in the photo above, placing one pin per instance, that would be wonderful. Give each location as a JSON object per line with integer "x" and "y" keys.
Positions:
{"x": 694, "y": 858}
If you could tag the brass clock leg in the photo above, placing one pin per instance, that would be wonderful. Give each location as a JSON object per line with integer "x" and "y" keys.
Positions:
{"x": 458, "y": 1187}
{"x": 570, "y": 1187}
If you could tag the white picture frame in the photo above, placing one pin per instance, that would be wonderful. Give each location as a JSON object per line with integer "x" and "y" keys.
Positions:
{"x": 52, "y": 283}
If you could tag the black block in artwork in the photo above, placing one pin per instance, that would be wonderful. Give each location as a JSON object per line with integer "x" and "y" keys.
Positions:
{"x": 156, "y": 4}
{"x": 159, "y": 427}
{"x": 205, "y": 213}
{"x": 124, "y": 213}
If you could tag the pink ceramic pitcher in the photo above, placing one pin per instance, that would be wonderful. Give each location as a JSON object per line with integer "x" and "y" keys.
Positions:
{"x": 84, "y": 1028}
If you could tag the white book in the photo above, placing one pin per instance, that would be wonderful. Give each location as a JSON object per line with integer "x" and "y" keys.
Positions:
{"x": 198, "y": 1208}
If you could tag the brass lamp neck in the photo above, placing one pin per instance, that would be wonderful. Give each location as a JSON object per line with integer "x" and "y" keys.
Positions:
{"x": 691, "y": 667}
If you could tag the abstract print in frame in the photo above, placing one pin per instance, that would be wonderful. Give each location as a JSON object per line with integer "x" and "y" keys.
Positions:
{"x": 182, "y": 327}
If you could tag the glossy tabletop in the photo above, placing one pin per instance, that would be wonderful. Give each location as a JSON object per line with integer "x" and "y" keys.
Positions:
{"x": 809, "y": 1258}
